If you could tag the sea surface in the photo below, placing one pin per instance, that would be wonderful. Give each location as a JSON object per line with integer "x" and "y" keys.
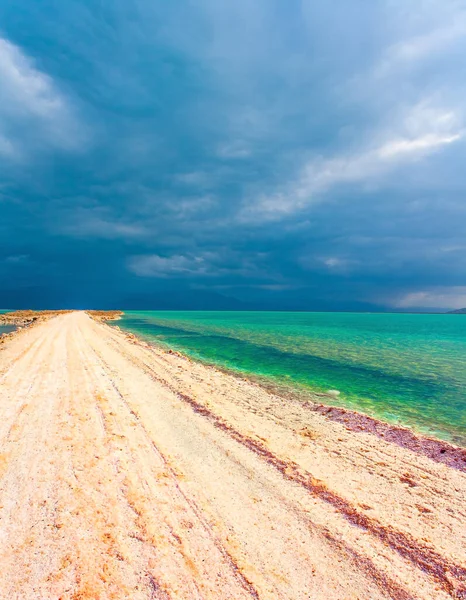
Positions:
{"x": 402, "y": 368}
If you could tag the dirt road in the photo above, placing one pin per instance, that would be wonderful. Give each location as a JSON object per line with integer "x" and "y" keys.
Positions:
{"x": 130, "y": 472}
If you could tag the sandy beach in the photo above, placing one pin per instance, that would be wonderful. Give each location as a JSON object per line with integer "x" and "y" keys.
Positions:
{"x": 128, "y": 471}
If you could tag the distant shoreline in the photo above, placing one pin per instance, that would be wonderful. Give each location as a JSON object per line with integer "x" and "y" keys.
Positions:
{"x": 24, "y": 318}
{"x": 241, "y": 310}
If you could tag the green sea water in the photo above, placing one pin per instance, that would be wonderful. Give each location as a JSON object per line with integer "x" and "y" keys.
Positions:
{"x": 403, "y": 368}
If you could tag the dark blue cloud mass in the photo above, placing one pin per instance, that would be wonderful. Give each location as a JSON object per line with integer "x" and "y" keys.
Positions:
{"x": 233, "y": 154}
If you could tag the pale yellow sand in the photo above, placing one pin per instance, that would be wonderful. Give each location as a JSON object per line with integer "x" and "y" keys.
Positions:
{"x": 129, "y": 472}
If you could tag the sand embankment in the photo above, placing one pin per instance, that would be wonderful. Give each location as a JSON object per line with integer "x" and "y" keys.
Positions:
{"x": 130, "y": 472}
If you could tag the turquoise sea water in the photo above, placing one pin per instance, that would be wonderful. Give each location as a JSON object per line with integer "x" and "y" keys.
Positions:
{"x": 403, "y": 368}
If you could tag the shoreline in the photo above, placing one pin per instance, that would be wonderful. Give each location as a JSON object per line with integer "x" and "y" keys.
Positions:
{"x": 437, "y": 449}
{"x": 22, "y": 320}
{"x": 125, "y": 469}
{"x": 25, "y": 318}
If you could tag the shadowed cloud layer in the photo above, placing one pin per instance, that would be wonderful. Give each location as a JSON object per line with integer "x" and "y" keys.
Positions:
{"x": 284, "y": 155}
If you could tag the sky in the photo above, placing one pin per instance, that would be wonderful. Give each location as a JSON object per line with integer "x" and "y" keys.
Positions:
{"x": 271, "y": 154}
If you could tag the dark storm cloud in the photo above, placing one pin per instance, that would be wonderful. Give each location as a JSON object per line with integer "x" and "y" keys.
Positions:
{"x": 285, "y": 154}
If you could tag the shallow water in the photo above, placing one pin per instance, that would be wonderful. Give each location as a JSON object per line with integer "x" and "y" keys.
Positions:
{"x": 402, "y": 368}
{"x": 6, "y": 328}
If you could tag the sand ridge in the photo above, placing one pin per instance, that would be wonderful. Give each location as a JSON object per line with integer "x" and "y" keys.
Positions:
{"x": 130, "y": 472}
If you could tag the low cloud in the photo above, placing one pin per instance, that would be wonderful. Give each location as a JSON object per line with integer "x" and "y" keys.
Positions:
{"x": 97, "y": 223}
{"x": 168, "y": 266}
{"x": 437, "y": 298}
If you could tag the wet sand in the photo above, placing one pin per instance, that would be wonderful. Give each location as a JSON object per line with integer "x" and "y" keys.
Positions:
{"x": 128, "y": 471}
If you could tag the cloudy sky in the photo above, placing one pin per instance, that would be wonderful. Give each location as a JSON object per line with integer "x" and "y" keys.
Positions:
{"x": 284, "y": 154}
